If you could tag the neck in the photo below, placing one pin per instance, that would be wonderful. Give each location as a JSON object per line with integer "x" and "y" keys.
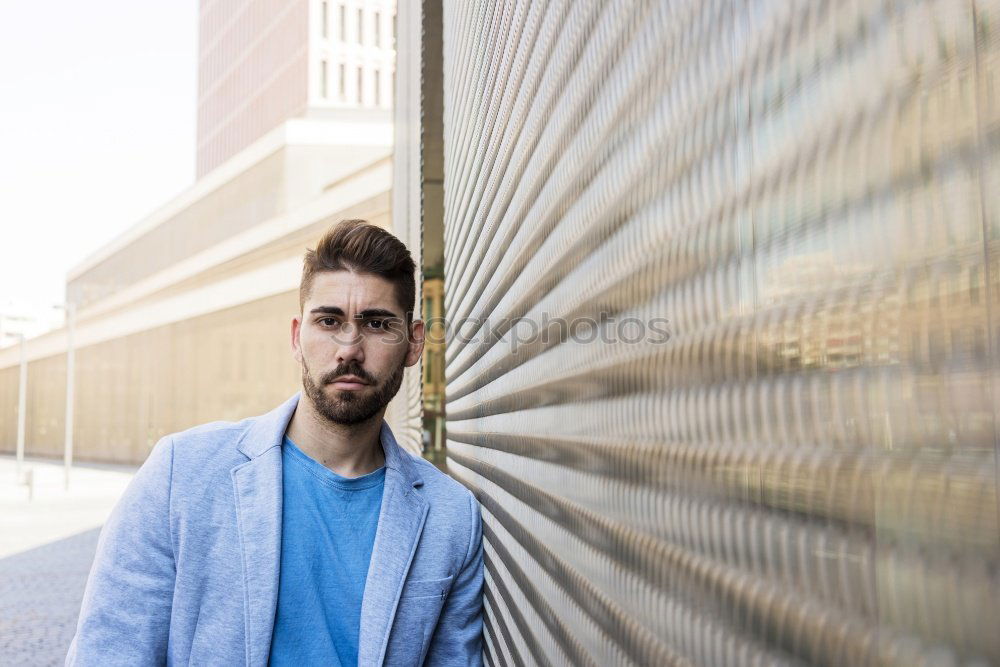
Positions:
{"x": 350, "y": 450}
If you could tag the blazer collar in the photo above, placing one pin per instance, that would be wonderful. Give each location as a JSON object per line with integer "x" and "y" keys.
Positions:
{"x": 398, "y": 460}
{"x": 268, "y": 431}
{"x": 400, "y": 524}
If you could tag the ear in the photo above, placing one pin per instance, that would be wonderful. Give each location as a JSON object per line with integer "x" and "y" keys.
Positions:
{"x": 416, "y": 342}
{"x": 296, "y": 345}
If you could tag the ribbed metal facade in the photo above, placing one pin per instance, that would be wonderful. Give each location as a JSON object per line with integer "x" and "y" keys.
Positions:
{"x": 723, "y": 280}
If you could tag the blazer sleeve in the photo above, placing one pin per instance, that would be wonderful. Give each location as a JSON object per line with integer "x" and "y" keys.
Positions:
{"x": 457, "y": 639}
{"x": 125, "y": 615}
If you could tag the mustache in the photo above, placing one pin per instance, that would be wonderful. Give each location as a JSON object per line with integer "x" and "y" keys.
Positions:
{"x": 350, "y": 368}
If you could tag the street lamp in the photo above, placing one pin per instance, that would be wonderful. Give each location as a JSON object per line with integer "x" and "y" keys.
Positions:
{"x": 22, "y": 395}
{"x": 70, "y": 309}
{"x": 22, "y": 391}
{"x": 22, "y": 403}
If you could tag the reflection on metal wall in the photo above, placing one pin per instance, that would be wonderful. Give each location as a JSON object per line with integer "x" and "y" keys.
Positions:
{"x": 804, "y": 465}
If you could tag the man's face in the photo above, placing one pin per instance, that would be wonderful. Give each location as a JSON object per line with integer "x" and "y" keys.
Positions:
{"x": 352, "y": 342}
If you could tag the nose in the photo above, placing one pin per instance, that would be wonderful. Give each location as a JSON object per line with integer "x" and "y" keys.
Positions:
{"x": 351, "y": 344}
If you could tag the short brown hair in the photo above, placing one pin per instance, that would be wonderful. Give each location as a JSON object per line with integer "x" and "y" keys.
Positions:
{"x": 359, "y": 246}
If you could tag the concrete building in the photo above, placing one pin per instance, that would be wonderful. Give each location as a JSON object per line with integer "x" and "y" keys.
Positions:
{"x": 184, "y": 318}
{"x": 261, "y": 62}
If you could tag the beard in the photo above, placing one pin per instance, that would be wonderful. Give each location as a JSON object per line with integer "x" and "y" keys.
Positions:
{"x": 348, "y": 408}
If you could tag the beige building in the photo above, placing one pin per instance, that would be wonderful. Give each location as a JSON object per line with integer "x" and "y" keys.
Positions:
{"x": 184, "y": 318}
{"x": 261, "y": 62}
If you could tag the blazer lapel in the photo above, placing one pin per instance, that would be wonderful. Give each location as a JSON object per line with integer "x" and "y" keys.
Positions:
{"x": 400, "y": 523}
{"x": 257, "y": 489}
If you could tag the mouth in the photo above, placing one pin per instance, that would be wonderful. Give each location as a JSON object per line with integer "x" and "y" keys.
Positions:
{"x": 349, "y": 383}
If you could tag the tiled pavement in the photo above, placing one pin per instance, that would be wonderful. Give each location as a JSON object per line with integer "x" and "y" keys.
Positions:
{"x": 47, "y": 544}
{"x": 40, "y": 593}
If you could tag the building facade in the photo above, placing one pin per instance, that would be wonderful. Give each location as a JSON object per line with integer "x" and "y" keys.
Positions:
{"x": 261, "y": 62}
{"x": 185, "y": 317}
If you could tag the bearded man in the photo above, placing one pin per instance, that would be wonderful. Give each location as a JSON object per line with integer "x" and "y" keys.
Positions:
{"x": 307, "y": 535}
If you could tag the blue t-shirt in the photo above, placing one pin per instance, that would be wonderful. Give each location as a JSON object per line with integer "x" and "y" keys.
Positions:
{"x": 328, "y": 525}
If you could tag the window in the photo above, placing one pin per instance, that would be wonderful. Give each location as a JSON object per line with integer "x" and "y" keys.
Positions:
{"x": 323, "y": 78}
{"x": 361, "y": 85}
{"x": 342, "y": 11}
{"x": 378, "y": 29}
{"x": 324, "y": 18}
{"x": 378, "y": 88}
{"x": 361, "y": 26}
{"x": 342, "y": 81}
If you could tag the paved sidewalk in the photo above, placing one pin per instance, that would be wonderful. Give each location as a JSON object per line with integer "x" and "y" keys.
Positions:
{"x": 47, "y": 544}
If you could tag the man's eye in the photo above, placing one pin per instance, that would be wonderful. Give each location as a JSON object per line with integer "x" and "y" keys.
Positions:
{"x": 375, "y": 324}
{"x": 328, "y": 321}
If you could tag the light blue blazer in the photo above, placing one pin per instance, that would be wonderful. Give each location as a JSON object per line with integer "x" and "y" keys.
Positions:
{"x": 187, "y": 565}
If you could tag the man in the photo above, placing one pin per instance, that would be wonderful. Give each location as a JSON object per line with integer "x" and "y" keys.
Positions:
{"x": 305, "y": 536}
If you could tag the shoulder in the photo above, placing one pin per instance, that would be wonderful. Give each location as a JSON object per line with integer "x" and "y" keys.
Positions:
{"x": 211, "y": 433}
{"x": 234, "y": 441}
{"x": 207, "y": 442}
{"x": 199, "y": 457}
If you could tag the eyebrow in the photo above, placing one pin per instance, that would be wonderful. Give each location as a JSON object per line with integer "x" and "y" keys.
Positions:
{"x": 364, "y": 314}
{"x": 375, "y": 312}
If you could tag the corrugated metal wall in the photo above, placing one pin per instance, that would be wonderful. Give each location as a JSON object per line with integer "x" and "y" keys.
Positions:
{"x": 723, "y": 284}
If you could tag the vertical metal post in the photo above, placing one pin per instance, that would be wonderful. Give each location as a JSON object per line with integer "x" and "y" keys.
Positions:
{"x": 70, "y": 357}
{"x": 22, "y": 401}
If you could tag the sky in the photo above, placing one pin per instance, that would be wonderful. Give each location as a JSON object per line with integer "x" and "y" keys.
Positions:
{"x": 97, "y": 130}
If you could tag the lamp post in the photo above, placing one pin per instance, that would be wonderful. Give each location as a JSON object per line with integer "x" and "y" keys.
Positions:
{"x": 22, "y": 391}
{"x": 22, "y": 401}
{"x": 70, "y": 309}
